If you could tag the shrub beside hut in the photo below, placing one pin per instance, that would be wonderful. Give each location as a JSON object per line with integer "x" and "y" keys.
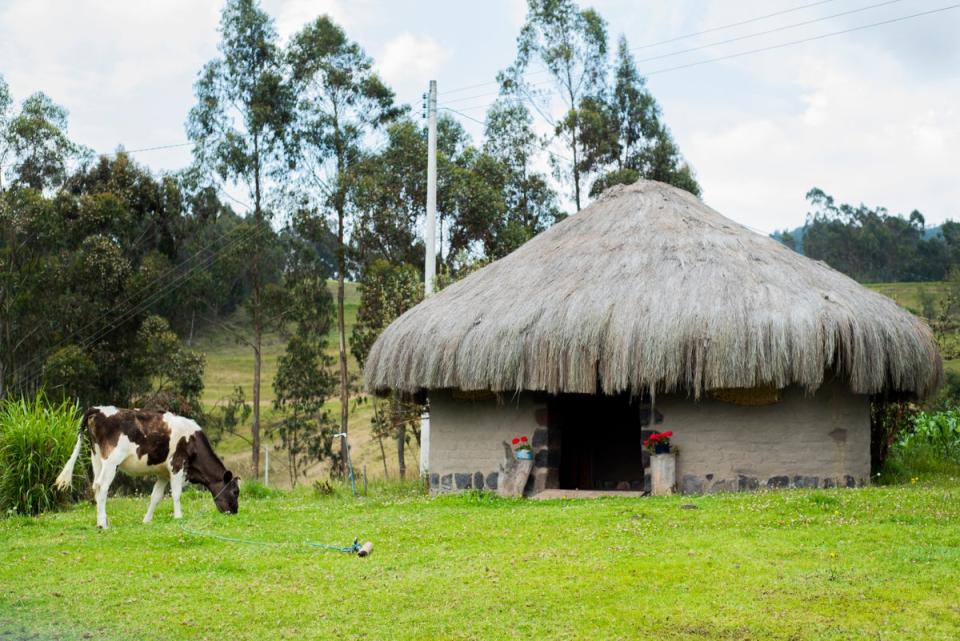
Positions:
{"x": 649, "y": 311}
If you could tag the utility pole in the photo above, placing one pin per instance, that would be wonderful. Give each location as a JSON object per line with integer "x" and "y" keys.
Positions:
{"x": 430, "y": 233}
{"x": 429, "y": 237}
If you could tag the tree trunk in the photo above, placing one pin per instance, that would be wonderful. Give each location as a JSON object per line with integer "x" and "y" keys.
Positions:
{"x": 342, "y": 334}
{"x": 383, "y": 456}
{"x": 401, "y": 429}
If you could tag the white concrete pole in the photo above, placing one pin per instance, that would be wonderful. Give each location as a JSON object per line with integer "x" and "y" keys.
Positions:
{"x": 430, "y": 232}
{"x": 429, "y": 237}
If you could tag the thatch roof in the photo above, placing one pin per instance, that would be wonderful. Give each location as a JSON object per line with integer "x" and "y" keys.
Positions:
{"x": 649, "y": 286}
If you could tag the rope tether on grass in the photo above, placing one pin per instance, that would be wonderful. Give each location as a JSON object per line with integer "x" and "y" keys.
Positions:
{"x": 354, "y": 548}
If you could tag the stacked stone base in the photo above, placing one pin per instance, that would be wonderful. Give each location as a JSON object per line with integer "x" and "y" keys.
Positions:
{"x": 692, "y": 484}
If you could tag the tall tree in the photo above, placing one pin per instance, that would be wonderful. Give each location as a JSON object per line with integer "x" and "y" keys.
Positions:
{"x": 35, "y": 150}
{"x": 341, "y": 101}
{"x": 304, "y": 380}
{"x": 238, "y": 125}
{"x": 6, "y": 102}
{"x": 531, "y": 203}
{"x": 386, "y": 292}
{"x": 572, "y": 45}
{"x": 627, "y": 139}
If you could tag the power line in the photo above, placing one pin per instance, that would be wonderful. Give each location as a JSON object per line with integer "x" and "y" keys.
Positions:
{"x": 669, "y": 40}
{"x": 142, "y": 149}
{"x": 768, "y": 31}
{"x": 769, "y": 48}
{"x": 731, "y": 25}
{"x": 480, "y": 122}
{"x": 804, "y": 40}
{"x": 148, "y": 300}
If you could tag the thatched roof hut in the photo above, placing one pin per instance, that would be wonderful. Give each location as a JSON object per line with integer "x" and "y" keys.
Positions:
{"x": 646, "y": 287}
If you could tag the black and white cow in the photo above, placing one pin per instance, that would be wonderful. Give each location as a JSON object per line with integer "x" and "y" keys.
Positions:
{"x": 141, "y": 442}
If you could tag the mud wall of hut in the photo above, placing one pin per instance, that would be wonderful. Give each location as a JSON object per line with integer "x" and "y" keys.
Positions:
{"x": 801, "y": 441}
{"x": 821, "y": 440}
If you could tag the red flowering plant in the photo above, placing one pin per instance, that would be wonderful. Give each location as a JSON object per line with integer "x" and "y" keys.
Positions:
{"x": 520, "y": 443}
{"x": 658, "y": 442}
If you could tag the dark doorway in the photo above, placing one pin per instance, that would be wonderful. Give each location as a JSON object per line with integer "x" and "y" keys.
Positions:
{"x": 601, "y": 441}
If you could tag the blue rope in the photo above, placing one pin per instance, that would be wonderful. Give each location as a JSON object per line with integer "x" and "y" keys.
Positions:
{"x": 349, "y": 549}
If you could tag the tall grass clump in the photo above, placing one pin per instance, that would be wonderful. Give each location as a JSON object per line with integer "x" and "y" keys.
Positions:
{"x": 36, "y": 439}
{"x": 929, "y": 446}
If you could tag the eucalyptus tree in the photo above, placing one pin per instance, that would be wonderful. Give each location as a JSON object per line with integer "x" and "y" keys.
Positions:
{"x": 630, "y": 139}
{"x": 531, "y": 203}
{"x": 34, "y": 141}
{"x": 341, "y": 101}
{"x": 6, "y": 102}
{"x": 571, "y": 44}
{"x": 238, "y": 126}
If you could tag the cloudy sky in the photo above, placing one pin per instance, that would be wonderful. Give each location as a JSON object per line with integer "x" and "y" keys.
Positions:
{"x": 872, "y": 115}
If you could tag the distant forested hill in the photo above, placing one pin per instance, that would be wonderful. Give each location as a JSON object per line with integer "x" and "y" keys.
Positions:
{"x": 872, "y": 245}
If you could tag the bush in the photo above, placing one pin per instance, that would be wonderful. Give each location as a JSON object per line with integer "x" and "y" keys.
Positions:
{"x": 36, "y": 439}
{"x": 928, "y": 446}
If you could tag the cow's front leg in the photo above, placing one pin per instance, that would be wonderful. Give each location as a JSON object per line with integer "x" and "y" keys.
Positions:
{"x": 108, "y": 469}
{"x": 176, "y": 488}
{"x": 158, "y": 489}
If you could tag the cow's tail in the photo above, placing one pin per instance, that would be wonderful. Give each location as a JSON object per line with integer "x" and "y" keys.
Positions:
{"x": 65, "y": 480}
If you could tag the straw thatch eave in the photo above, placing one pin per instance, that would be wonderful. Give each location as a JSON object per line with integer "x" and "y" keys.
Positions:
{"x": 650, "y": 287}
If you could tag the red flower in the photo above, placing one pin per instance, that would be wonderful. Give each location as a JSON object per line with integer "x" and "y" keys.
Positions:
{"x": 523, "y": 439}
{"x": 516, "y": 441}
{"x": 667, "y": 434}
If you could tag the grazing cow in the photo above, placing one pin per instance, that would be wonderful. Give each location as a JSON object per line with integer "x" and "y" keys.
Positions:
{"x": 141, "y": 442}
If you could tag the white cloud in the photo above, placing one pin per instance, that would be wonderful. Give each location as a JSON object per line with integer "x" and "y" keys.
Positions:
{"x": 408, "y": 62}
{"x": 292, "y": 15}
{"x": 116, "y": 66}
{"x": 866, "y": 130}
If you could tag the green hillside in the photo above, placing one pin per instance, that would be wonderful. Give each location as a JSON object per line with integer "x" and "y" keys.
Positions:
{"x": 230, "y": 363}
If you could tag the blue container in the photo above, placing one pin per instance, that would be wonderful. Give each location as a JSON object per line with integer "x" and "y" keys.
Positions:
{"x": 524, "y": 455}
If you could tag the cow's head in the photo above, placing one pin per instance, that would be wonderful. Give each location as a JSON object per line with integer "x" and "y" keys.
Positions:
{"x": 226, "y": 493}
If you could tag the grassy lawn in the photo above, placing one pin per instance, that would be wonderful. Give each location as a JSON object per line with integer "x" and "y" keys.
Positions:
{"x": 874, "y": 563}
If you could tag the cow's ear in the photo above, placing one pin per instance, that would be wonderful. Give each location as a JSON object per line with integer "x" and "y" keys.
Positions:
{"x": 227, "y": 476}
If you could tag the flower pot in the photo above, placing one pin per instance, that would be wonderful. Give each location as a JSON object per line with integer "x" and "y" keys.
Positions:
{"x": 663, "y": 474}
{"x": 661, "y": 448}
{"x": 524, "y": 455}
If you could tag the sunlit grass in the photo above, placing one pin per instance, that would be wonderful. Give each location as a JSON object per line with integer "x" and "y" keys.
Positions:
{"x": 871, "y": 563}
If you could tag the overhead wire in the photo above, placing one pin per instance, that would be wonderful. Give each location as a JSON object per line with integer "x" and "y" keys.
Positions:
{"x": 742, "y": 53}
{"x": 673, "y": 39}
{"x": 115, "y": 320}
{"x": 768, "y": 31}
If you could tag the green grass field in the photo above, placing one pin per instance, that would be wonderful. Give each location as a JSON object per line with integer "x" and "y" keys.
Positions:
{"x": 873, "y": 563}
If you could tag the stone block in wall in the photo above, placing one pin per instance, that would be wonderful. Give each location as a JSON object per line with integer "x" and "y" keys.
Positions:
{"x": 540, "y": 458}
{"x": 539, "y": 438}
{"x": 446, "y": 482}
{"x": 491, "y": 480}
{"x": 434, "y": 482}
{"x": 463, "y": 480}
{"x": 478, "y": 480}
{"x": 691, "y": 484}
{"x": 778, "y": 482}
